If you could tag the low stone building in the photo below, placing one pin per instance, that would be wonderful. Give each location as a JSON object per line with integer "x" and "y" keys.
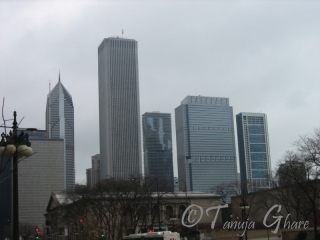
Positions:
{"x": 74, "y": 217}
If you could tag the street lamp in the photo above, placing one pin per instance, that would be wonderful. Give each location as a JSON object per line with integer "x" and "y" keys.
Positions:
{"x": 244, "y": 206}
{"x": 15, "y": 146}
{"x": 173, "y": 218}
{"x": 158, "y": 202}
{"x": 185, "y": 190}
{"x": 232, "y": 228}
{"x": 268, "y": 230}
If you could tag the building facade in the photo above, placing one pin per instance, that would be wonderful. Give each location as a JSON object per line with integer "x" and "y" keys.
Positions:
{"x": 93, "y": 173}
{"x": 172, "y": 207}
{"x": 39, "y": 175}
{"x": 157, "y": 147}
{"x": 60, "y": 125}
{"x": 205, "y": 143}
{"x": 254, "y": 153}
{"x": 119, "y": 108}
{"x": 291, "y": 170}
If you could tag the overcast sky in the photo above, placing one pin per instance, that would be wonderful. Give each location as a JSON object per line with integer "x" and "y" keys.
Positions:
{"x": 263, "y": 55}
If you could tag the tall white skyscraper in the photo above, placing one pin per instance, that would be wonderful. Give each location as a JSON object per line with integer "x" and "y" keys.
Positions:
{"x": 205, "y": 143}
{"x": 254, "y": 156}
{"x": 60, "y": 124}
{"x": 119, "y": 108}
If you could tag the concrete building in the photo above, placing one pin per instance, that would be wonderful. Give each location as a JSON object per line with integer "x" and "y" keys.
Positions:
{"x": 205, "y": 143}
{"x": 93, "y": 173}
{"x": 39, "y": 175}
{"x": 291, "y": 170}
{"x": 60, "y": 125}
{"x": 157, "y": 147}
{"x": 119, "y": 108}
{"x": 254, "y": 153}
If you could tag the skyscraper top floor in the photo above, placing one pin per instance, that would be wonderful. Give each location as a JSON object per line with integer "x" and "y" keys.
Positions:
{"x": 206, "y": 100}
{"x": 123, "y": 41}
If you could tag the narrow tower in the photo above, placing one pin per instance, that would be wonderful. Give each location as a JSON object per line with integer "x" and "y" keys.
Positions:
{"x": 60, "y": 124}
{"x": 119, "y": 108}
{"x": 254, "y": 156}
{"x": 157, "y": 147}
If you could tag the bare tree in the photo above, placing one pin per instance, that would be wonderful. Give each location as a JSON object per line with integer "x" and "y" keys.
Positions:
{"x": 301, "y": 189}
{"x": 286, "y": 192}
{"x": 309, "y": 147}
{"x": 116, "y": 207}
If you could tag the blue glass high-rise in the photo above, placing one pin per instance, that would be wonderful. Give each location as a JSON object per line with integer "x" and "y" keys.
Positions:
{"x": 254, "y": 156}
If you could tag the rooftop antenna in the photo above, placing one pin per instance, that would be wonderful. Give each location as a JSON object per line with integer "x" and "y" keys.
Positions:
{"x": 49, "y": 85}
{"x": 122, "y": 33}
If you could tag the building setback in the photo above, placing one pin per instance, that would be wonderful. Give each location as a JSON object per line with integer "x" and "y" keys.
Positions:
{"x": 205, "y": 143}
{"x": 254, "y": 156}
{"x": 93, "y": 173}
{"x": 119, "y": 108}
{"x": 157, "y": 147}
{"x": 60, "y": 125}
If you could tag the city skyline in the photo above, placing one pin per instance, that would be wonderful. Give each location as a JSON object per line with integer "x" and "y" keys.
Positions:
{"x": 263, "y": 56}
{"x": 119, "y": 109}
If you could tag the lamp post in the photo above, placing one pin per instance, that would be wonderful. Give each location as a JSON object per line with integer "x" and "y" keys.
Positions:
{"x": 186, "y": 191}
{"x": 244, "y": 206}
{"x": 173, "y": 218}
{"x": 231, "y": 228}
{"x": 158, "y": 202}
{"x": 268, "y": 230}
{"x": 15, "y": 146}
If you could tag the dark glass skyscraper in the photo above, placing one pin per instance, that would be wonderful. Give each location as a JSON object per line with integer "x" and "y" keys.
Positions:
{"x": 157, "y": 147}
{"x": 60, "y": 124}
{"x": 254, "y": 156}
{"x": 205, "y": 143}
{"x": 119, "y": 108}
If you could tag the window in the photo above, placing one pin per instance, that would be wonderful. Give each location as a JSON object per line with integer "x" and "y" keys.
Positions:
{"x": 255, "y": 120}
{"x": 258, "y": 157}
{"x": 259, "y": 174}
{"x": 257, "y": 138}
{"x": 259, "y": 165}
{"x": 256, "y": 129}
{"x": 169, "y": 212}
{"x": 257, "y": 147}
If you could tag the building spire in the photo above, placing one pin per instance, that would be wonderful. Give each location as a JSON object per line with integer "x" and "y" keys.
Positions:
{"x": 59, "y": 76}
